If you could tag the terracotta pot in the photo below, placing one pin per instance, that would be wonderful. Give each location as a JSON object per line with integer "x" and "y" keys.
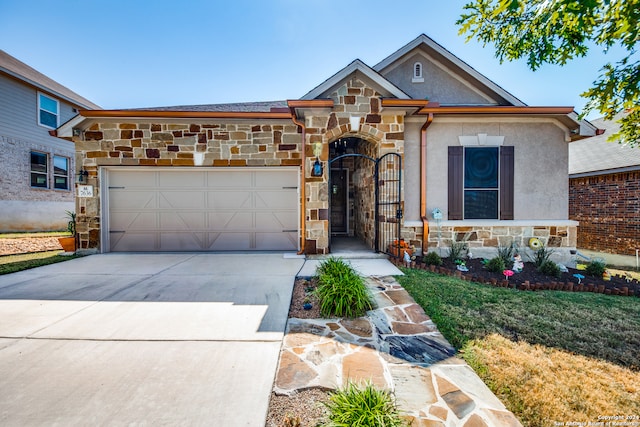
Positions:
{"x": 68, "y": 243}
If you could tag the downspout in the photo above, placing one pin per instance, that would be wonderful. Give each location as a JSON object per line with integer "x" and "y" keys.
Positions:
{"x": 303, "y": 196}
{"x": 423, "y": 183}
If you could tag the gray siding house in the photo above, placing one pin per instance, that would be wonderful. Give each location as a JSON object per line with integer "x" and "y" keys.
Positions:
{"x": 371, "y": 153}
{"x": 37, "y": 180}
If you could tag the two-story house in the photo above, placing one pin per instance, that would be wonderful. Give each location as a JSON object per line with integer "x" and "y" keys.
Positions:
{"x": 37, "y": 180}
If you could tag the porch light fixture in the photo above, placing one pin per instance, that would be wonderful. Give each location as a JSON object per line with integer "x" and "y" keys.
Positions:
{"x": 354, "y": 123}
{"x": 317, "y": 168}
{"x": 81, "y": 177}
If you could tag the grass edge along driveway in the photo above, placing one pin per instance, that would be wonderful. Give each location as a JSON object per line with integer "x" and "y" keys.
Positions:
{"x": 551, "y": 357}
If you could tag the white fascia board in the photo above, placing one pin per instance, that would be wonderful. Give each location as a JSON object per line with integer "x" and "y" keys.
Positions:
{"x": 423, "y": 39}
{"x": 356, "y": 66}
{"x": 66, "y": 129}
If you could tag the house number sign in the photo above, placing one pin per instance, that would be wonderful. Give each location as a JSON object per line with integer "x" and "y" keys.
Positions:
{"x": 85, "y": 190}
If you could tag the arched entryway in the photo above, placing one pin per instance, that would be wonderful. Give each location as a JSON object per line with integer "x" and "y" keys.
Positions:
{"x": 364, "y": 196}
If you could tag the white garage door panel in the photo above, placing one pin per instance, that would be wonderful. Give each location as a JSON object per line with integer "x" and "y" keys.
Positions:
{"x": 240, "y": 199}
{"x": 203, "y": 210}
{"x": 180, "y": 199}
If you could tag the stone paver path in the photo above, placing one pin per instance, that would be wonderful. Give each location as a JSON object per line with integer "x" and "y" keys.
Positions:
{"x": 396, "y": 347}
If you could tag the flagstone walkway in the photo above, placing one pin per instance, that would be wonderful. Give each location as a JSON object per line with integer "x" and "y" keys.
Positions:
{"x": 397, "y": 347}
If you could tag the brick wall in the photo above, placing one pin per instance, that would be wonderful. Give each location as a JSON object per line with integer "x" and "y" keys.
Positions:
{"x": 15, "y": 183}
{"x": 608, "y": 208}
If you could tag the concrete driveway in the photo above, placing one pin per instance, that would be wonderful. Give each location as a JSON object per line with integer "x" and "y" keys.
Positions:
{"x": 143, "y": 339}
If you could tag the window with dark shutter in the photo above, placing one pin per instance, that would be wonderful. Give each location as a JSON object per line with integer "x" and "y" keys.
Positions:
{"x": 455, "y": 178}
{"x": 480, "y": 182}
{"x": 506, "y": 182}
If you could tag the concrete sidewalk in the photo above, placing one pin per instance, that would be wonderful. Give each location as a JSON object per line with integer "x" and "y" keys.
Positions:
{"x": 145, "y": 339}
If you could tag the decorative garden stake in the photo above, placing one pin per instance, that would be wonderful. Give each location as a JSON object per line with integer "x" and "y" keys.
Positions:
{"x": 518, "y": 265}
{"x": 507, "y": 274}
{"x": 579, "y": 277}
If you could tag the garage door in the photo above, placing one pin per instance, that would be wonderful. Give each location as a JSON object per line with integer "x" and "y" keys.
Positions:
{"x": 203, "y": 210}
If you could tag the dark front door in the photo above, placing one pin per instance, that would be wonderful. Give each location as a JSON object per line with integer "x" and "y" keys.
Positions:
{"x": 339, "y": 201}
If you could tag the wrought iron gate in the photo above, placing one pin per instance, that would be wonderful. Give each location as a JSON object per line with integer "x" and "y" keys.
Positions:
{"x": 388, "y": 202}
{"x": 388, "y": 199}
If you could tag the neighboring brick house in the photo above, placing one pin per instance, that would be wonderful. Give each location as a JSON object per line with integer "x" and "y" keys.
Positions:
{"x": 604, "y": 192}
{"x": 369, "y": 153}
{"x": 37, "y": 181}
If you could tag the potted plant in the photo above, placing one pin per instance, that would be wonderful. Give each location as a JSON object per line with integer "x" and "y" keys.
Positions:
{"x": 397, "y": 248}
{"x": 69, "y": 243}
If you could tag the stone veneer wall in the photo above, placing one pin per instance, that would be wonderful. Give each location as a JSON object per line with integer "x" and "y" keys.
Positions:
{"x": 608, "y": 208}
{"x": 484, "y": 239}
{"x": 204, "y": 144}
{"x": 383, "y": 133}
{"x": 176, "y": 144}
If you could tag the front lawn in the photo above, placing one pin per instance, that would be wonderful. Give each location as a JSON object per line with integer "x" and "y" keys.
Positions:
{"x": 15, "y": 263}
{"x": 550, "y": 356}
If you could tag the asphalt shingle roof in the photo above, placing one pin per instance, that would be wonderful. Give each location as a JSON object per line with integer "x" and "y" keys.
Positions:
{"x": 265, "y": 106}
{"x": 595, "y": 154}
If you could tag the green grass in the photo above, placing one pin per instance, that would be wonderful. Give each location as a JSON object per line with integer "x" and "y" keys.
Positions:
{"x": 595, "y": 325}
{"x": 362, "y": 406}
{"x": 341, "y": 291}
{"x": 548, "y": 356}
{"x": 15, "y": 263}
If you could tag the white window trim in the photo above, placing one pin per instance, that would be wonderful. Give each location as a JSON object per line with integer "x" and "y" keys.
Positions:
{"x": 417, "y": 77}
{"x": 40, "y": 108}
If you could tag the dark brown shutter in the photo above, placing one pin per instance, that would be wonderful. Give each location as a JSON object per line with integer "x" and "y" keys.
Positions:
{"x": 506, "y": 182}
{"x": 456, "y": 176}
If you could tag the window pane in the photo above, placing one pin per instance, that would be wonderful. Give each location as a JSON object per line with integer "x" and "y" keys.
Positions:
{"x": 60, "y": 165}
{"x": 48, "y": 104}
{"x": 38, "y": 180}
{"x": 481, "y": 204}
{"x": 48, "y": 119}
{"x": 60, "y": 183}
{"x": 481, "y": 167}
{"x": 38, "y": 162}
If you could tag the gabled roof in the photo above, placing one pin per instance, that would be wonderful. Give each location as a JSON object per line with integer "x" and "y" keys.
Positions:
{"x": 597, "y": 156}
{"x": 456, "y": 63}
{"x": 363, "y": 72}
{"x": 21, "y": 71}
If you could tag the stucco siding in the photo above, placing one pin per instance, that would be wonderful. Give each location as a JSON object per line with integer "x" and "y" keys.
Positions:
{"x": 18, "y": 215}
{"x": 411, "y": 173}
{"x": 438, "y": 86}
{"x": 541, "y": 155}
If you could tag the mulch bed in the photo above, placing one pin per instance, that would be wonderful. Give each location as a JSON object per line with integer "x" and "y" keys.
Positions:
{"x": 530, "y": 279}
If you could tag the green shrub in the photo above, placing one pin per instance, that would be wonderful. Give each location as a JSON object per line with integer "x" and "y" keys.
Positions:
{"x": 458, "y": 249}
{"x": 495, "y": 265}
{"x": 596, "y": 268}
{"x": 506, "y": 253}
{"x": 432, "y": 258}
{"x": 541, "y": 255}
{"x": 364, "y": 406}
{"x": 549, "y": 268}
{"x": 341, "y": 291}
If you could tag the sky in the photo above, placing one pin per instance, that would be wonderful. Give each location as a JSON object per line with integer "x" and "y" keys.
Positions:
{"x": 136, "y": 53}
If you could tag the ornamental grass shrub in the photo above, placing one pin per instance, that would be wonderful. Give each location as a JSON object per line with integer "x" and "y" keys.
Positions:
{"x": 495, "y": 265}
{"x": 341, "y": 290}
{"x": 432, "y": 258}
{"x": 362, "y": 406}
{"x": 596, "y": 268}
